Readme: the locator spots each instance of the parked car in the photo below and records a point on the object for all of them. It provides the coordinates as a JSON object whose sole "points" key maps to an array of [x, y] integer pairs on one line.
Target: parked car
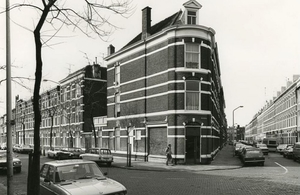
{"points": [[243, 147], [99, 155], [69, 153], [296, 151], [70, 177], [280, 148], [3, 146], [252, 155], [263, 148], [25, 149], [288, 152], [17, 164], [52, 153], [237, 148], [16, 147]]}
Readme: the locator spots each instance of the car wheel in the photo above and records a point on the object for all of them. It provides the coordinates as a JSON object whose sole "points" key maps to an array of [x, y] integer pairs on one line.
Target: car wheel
{"points": [[109, 164]]}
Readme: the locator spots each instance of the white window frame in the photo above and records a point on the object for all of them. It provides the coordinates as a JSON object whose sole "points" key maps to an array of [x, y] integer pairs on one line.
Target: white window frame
{"points": [[198, 52], [187, 91], [117, 75], [117, 104]]}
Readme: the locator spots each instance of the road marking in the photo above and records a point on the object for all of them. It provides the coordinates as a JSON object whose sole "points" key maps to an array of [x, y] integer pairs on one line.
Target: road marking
{"points": [[286, 170]]}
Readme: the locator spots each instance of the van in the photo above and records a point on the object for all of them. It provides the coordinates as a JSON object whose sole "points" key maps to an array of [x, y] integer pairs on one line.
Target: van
{"points": [[296, 151]]}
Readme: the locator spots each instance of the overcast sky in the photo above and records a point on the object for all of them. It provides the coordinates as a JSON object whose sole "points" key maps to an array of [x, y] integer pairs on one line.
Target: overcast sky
{"points": [[258, 42]]}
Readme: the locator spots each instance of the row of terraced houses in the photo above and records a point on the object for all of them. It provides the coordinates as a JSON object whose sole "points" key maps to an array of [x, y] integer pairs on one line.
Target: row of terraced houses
{"points": [[280, 117], [163, 87]]}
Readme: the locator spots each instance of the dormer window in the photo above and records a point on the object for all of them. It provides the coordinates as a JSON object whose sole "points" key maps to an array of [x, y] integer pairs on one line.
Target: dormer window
{"points": [[191, 12], [191, 17]]}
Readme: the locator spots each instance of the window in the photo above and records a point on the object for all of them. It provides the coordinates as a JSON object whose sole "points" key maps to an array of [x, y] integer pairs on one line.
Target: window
{"points": [[117, 105], [117, 75], [192, 95], [191, 17], [192, 55]]}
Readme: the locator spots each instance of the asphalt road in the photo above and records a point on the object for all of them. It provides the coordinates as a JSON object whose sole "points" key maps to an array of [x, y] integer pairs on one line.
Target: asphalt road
{"points": [[278, 176]]}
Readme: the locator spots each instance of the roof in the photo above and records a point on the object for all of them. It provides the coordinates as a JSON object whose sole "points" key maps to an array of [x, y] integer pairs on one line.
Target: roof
{"points": [[58, 163], [167, 22]]}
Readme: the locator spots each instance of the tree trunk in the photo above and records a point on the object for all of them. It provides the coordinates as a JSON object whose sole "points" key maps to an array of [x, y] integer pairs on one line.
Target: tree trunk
{"points": [[23, 126], [51, 132], [33, 187], [94, 130]]}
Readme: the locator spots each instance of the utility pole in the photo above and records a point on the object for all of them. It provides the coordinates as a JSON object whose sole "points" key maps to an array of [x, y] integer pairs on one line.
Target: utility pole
{"points": [[9, 158]]}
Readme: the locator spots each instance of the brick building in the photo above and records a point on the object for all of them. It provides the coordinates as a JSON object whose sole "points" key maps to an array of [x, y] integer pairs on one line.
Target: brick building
{"points": [[67, 109], [164, 87]]}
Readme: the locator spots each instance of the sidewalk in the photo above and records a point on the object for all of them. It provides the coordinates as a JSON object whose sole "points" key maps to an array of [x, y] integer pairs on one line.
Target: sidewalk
{"points": [[223, 160]]}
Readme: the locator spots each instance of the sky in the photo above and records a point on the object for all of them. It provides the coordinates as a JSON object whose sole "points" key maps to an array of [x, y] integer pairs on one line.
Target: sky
{"points": [[258, 44]]}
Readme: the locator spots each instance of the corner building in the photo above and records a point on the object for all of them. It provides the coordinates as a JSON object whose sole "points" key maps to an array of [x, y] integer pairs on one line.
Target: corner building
{"points": [[164, 87]]}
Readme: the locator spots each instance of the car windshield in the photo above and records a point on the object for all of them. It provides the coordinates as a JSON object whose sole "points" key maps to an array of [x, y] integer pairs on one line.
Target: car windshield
{"points": [[78, 171]]}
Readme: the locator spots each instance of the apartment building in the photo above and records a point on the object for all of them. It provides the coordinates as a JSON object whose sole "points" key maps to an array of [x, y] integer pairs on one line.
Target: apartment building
{"points": [[67, 110], [164, 87], [279, 117]]}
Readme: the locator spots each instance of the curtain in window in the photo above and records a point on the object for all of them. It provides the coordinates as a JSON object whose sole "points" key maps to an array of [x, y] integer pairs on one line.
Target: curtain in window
{"points": [[192, 56], [192, 101], [192, 95]]}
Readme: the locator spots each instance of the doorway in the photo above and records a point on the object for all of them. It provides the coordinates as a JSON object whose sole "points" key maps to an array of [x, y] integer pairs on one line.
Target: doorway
{"points": [[192, 146]]}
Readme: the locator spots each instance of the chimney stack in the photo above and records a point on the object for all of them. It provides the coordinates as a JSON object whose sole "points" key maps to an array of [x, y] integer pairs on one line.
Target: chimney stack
{"points": [[146, 22], [110, 49]]}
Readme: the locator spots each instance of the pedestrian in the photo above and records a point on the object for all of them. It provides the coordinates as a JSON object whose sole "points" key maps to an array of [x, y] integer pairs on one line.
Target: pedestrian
{"points": [[169, 155]]}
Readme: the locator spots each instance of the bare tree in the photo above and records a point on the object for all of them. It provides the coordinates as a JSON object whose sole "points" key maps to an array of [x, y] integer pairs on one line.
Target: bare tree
{"points": [[95, 102], [89, 20]]}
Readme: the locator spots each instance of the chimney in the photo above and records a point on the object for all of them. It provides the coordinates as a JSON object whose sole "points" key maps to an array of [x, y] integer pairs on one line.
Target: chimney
{"points": [[110, 49], [146, 22], [295, 77]]}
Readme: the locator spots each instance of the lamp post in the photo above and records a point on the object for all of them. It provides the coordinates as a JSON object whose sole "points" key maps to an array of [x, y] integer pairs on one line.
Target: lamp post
{"points": [[233, 116]]}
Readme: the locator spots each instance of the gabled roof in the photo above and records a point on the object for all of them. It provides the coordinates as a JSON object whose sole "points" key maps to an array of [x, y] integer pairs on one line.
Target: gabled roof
{"points": [[192, 4], [171, 20]]}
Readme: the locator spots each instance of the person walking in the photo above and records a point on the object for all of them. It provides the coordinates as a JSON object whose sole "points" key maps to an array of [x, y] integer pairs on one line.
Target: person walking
{"points": [[169, 155]]}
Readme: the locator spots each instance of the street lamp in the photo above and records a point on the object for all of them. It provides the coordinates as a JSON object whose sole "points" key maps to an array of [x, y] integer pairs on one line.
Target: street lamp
{"points": [[233, 114]]}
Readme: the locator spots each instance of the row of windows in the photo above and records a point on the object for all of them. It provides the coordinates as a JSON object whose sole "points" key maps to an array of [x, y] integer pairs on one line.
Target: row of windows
{"points": [[192, 97], [192, 60]]}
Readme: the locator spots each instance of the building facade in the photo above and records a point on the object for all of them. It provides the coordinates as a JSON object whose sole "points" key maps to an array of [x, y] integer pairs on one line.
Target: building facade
{"points": [[164, 87], [67, 110], [279, 117]]}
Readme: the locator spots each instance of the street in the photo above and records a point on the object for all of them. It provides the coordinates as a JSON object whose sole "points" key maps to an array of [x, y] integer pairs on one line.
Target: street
{"points": [[278, 176]]}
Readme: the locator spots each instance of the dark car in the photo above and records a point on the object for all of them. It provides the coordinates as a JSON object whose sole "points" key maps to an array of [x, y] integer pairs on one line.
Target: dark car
{"points": [[252, 155], [69, 153]]}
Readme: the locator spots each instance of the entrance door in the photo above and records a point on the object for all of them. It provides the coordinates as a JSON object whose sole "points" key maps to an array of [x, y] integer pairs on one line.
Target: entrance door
{"points": [[192, 149], [192, 145]]}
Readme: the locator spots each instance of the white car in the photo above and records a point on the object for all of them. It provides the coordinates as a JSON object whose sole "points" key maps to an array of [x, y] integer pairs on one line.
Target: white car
{"points": [[52, 153], [76, 177], [98, 155]]}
